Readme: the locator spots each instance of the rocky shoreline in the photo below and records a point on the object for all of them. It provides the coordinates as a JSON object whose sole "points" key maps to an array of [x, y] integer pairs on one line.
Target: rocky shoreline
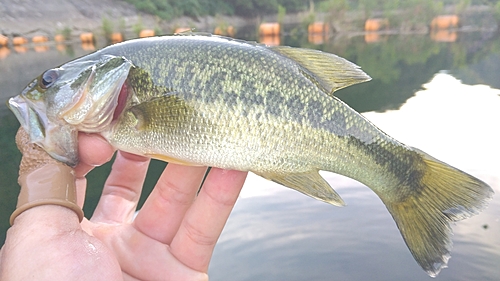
{"points": [[48, 18], [32, 17]]}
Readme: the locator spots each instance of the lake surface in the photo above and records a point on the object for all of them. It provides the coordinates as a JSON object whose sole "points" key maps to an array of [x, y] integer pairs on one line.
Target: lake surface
{"points": [[442, 97]]}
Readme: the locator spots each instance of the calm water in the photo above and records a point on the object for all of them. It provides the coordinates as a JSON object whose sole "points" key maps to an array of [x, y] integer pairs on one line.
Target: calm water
{"points": [[442, 97]]}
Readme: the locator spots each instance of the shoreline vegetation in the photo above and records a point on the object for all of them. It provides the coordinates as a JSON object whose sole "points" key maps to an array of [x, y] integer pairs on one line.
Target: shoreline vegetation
{"points": [[323, 18]]}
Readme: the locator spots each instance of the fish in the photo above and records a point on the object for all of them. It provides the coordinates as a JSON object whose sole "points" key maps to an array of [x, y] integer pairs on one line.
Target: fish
{"points": [[200, 99]]}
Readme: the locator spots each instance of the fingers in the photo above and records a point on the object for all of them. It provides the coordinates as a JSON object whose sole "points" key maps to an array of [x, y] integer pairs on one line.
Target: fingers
{"points": [[195, 240], [163, 211], [122, 189], [93, 151]]}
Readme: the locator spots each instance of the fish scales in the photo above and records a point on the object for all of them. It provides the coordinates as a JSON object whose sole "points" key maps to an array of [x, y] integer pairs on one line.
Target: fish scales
{"points": [[207, 100], [279, 94]]}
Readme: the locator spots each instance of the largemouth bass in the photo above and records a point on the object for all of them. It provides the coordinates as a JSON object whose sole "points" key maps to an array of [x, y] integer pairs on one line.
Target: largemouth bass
{"points": [[206, 100]]}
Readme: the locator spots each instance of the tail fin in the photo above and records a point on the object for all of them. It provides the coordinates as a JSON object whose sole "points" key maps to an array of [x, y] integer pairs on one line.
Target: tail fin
{"points": [[442, 195]]}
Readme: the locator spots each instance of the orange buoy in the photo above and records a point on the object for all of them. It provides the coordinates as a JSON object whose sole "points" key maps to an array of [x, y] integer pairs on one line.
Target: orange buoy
{"points": [[18, 40], [317, 32], [87, 37], [4, 52], [182, 29], [372, 37], [444, 35], [39, 39], [20, 49], [41, 48], [146, 33], [219, 31], [376, 24], [316, 38], [270, 40], [318, 27], [4, 40], [116, 37], [88, 46], [61, 47], [269, 29], [445, 22], [59, 38], [231, 31], [225, 31]]}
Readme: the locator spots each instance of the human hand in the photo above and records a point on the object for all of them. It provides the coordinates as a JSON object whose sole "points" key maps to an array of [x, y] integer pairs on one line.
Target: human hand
{"points": [[172, 237]]}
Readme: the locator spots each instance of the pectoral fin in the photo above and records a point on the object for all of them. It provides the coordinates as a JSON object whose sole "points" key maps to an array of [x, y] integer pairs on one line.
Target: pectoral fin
{"points": [[310, 183]]}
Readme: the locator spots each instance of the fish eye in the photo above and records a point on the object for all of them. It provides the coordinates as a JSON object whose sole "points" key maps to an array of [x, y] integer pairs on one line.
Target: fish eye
{"points": [[48, 78]]}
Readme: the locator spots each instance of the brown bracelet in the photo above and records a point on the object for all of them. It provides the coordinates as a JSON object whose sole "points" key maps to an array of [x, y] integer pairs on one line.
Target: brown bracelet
{"points": [[43, 180]]}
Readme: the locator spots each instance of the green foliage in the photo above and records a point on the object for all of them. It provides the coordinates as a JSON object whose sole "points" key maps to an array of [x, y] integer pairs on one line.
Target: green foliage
{"points": [[66, 33], [333, 5], [310, 18], [255, 7], [137, 27], [497, 11], [415, 8], [294, 5], [406, 14], [107, 28], [281, 14], [462, 5], [158, 30], [11, 157], [167, 9]]}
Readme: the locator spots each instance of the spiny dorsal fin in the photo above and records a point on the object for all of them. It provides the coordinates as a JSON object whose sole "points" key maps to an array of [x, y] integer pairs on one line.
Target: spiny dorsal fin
{"points": [[310, 183], [332, 72]]}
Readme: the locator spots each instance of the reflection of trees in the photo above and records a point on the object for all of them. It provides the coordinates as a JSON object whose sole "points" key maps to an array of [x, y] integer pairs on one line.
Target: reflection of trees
{"points": [[10, 156], [386, 61], [480, 59], [399, 66]]}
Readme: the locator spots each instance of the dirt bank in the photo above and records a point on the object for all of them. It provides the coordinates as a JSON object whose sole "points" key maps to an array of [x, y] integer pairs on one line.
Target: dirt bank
{"points": [[28, 17]]}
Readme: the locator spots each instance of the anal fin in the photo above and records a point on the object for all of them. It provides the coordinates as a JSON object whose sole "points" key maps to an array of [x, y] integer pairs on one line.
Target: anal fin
{"points": [[310, 183]]}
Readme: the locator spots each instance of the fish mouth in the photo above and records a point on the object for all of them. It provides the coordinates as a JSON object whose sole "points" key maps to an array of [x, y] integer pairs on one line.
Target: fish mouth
{"points": [[84, 98], [59, 141], [32, 120]]}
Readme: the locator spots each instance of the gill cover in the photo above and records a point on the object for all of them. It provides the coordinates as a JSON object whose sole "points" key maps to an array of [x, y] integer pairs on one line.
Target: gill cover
{"points": [[80, 95]]}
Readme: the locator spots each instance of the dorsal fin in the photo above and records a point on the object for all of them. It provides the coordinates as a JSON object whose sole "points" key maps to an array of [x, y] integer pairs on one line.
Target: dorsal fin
{"points": [[331, 71]]}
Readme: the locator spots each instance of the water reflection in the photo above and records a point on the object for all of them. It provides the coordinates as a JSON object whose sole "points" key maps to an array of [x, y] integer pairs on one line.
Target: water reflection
{"points": [[275, 234], [279, 234]]}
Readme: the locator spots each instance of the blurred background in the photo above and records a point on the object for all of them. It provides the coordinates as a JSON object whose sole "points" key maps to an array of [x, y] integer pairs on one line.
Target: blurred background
{"points": [[436, 86]]}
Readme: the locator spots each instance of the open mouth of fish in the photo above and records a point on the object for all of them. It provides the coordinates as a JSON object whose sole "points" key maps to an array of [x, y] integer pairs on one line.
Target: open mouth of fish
{"points": [[97, 98]]}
